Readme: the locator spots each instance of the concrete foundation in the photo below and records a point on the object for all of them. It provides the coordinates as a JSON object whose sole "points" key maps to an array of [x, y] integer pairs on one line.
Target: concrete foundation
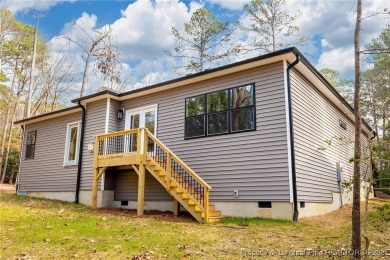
{"points": [[149, 205], [278, 210]]}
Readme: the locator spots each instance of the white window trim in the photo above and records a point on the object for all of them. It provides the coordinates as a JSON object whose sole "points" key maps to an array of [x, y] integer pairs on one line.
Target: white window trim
{"points": [[66, 153], [142, 110]]}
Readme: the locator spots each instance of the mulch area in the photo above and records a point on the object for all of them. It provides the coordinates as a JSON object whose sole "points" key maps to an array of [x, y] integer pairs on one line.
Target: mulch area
{"points": [[154, 214]]}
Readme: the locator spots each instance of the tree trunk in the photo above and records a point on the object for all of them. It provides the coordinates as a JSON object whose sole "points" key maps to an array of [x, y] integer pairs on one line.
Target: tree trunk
{"points": [[356, 239], [384, 125], [5, 127], [8, 149], [10, 181], [368, 191], [85, 75]]}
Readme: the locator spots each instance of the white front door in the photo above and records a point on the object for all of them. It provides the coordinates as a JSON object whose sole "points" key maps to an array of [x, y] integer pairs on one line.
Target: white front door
{"points": [[141, 117]]}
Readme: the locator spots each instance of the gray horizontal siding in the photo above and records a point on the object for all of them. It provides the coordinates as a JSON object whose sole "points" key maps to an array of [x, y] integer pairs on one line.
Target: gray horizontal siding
{"points": [[255, 163], [94, 125], [46, 171], [315, 120], [112, 120], [126, 187]]}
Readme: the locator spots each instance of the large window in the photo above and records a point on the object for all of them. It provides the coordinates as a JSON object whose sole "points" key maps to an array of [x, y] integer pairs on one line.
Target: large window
{"points": [[225, 111], [30, 144], [72, 144]]}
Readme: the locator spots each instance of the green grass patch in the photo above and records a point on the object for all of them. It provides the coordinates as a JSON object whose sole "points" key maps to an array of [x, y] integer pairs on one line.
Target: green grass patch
{"points": [[254, 221], [32, 228]]}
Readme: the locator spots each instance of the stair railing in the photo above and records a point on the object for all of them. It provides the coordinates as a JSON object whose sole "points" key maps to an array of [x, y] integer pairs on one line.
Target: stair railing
{"points": [[195, 186]]}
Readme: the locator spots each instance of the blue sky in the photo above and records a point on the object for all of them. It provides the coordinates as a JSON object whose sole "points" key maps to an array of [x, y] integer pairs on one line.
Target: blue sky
{"points": [[142, 29]]}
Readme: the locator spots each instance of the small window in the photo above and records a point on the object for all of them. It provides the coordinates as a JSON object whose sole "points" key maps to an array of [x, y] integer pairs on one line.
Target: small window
{"points": [[72, 144], [343, 124], [302, 204], [30, 144]]}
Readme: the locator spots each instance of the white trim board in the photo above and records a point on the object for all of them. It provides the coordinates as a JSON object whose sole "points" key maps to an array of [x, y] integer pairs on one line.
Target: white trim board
{"points": [[289, 150], [66, 152]]}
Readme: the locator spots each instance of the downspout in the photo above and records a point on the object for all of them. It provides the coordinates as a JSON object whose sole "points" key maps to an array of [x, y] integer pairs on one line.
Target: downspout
{"points": [[80, 160], [291, 133]]}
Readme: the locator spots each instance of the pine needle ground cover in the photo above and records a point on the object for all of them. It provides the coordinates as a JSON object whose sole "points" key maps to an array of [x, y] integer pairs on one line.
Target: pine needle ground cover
{"points": [[32, 228]]}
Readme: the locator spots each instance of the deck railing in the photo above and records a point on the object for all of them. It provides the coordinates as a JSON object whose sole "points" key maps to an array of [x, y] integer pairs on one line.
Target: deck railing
{"points": [[176, 169], [142, 142], [118, 142]]}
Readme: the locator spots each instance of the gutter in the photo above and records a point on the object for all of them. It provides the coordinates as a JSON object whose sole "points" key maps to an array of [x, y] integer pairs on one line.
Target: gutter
{"points": [[80, 159], [291, 133]]}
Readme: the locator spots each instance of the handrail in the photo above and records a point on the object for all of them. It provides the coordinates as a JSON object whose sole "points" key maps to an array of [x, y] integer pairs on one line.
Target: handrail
{"points": [[178, 160], [130, 131]]}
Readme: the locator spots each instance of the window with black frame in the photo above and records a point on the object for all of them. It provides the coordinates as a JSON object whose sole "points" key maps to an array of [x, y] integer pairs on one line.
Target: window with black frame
{"points": [[242, 111], [220, 112], [30, 144], [195, 116]]}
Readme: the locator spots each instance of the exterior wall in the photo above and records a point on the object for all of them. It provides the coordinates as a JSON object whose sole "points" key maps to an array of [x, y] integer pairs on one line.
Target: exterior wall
{"points": [[46, 172], [126, 188], [94, 125], [316, 120], [255, 163]]}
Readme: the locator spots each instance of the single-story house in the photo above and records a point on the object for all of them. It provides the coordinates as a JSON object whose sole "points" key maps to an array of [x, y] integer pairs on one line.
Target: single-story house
{"points": [[245, 139]]}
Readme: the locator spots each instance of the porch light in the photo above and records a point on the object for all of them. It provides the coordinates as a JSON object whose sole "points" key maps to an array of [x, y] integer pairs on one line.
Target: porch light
{"points": [[119, 115]]}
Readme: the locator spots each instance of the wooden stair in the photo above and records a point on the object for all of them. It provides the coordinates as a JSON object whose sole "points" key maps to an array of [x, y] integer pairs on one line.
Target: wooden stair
{"points": [[181, 190], [117, 150]]}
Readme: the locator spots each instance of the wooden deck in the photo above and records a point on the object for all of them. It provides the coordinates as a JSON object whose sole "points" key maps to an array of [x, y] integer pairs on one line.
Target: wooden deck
{"points": [[141, 150]]}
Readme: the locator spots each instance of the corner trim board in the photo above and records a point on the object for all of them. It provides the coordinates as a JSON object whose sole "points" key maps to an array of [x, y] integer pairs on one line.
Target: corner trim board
{"points": [[289, 151]]}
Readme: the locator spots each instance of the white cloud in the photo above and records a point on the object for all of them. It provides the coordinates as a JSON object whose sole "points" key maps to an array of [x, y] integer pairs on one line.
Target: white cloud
{"points": [[334, 23], [16, 6], [341, 59], [144, 30], [325, 44], [230, 4], [142, 33]]}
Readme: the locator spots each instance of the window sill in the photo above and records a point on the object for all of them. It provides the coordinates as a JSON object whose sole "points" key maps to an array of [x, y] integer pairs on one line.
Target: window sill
{"points": [[69, 164]]}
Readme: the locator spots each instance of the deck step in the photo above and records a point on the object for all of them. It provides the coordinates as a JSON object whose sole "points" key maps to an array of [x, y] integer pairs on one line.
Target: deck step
{"points": [[214, 213], [184, 196], [214, 219], [179, 191], [191, 203]]}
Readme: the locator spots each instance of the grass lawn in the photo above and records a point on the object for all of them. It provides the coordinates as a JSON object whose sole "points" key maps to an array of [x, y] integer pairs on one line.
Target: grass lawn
{"points": [[33, 228]]}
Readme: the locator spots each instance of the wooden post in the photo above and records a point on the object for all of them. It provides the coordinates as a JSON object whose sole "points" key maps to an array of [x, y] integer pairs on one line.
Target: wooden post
{"points": [[141, 190], [95, 187], [95, 179], [145, 148], [206, 204], [139, 145], [176, 207]]}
